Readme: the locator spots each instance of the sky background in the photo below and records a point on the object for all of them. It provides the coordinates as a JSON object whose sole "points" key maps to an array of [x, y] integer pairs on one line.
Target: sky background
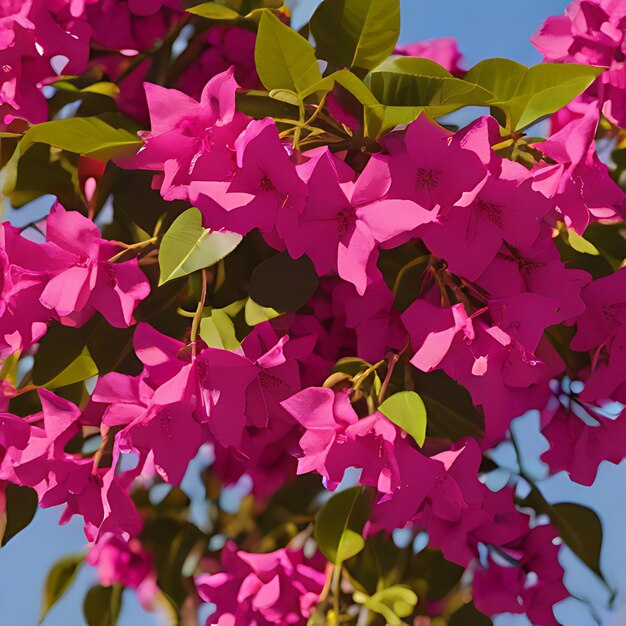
{"points": [[483, 28]]}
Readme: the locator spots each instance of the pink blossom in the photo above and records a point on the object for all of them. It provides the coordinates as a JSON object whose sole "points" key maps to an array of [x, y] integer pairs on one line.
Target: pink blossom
{"points": [[264, 181], [341, 224], [90, 281], [591, 32], [191, 140], [443, 50], [280, 588], [427, 165], [581, 437], [579, 183], [125, 563]]}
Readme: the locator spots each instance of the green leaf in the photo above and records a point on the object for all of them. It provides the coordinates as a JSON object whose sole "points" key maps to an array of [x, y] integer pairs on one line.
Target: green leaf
{"points": [[580, 244], [214, 11], [283, 283], [581, 530], [82, 368], [404, 87], [256, 314], [102, 605], [187, 246], [525, 95], [59, 578], [100, 89], [406, 410], [469, 614], [284, 59], [356, 33], [392, 603], [339, 524], [83, 135], [21, 506], [218, 331]]}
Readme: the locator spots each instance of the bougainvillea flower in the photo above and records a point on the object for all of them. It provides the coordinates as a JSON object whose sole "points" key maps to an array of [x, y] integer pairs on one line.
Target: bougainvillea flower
{"points": [[340, 225], [443, 50], [602, 328], [90, 280], [469, 238], [591, 32], [126, 563], [580, 438], [429, 167], [579, 183], [278, 588], [191, 140], [264, 181]]}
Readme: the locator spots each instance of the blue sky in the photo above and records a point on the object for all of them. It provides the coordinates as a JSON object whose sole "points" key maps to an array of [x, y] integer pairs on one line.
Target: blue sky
{"points": [[483, 28]]}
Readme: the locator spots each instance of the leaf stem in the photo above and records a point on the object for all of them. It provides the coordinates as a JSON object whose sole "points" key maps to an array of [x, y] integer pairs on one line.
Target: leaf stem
{"points": [[195, 325]]}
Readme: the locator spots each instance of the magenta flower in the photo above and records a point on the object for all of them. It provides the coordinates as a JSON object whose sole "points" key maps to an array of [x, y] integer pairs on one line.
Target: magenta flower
{"points": [[430, 167], [591, 32], [506, 209], [581, 437], [443, 50], [265, 181], [341, 225], [279, 588], [579, 183], [126, 563], [90, 281], [191, 140]]}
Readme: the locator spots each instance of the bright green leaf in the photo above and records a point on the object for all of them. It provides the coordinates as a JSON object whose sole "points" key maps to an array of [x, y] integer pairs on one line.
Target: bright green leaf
{"points": [[526, 95], [256, 314], [82, 368], [59, 578], [214, 11], [83, 135], [284, 59], [406, 409], [218, 331], [356, 33], [392, 603], [339, 524], [580, 244], [187, 246], [101, 89]]}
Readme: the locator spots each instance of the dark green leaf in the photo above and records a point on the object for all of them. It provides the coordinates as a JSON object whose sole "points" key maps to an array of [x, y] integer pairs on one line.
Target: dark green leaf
{"points": [[59, 578], [102, 605], [469, 615], [406, 410], [451, 414], [283, 283], [284, 59], [356, 33], [339, 524], [581, 530], [21, 506], [187, 246]]}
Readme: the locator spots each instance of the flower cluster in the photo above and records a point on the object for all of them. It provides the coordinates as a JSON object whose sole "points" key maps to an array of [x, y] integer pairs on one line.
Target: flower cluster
{"points": [[423, 262], [67, 279], [592, 32]]}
